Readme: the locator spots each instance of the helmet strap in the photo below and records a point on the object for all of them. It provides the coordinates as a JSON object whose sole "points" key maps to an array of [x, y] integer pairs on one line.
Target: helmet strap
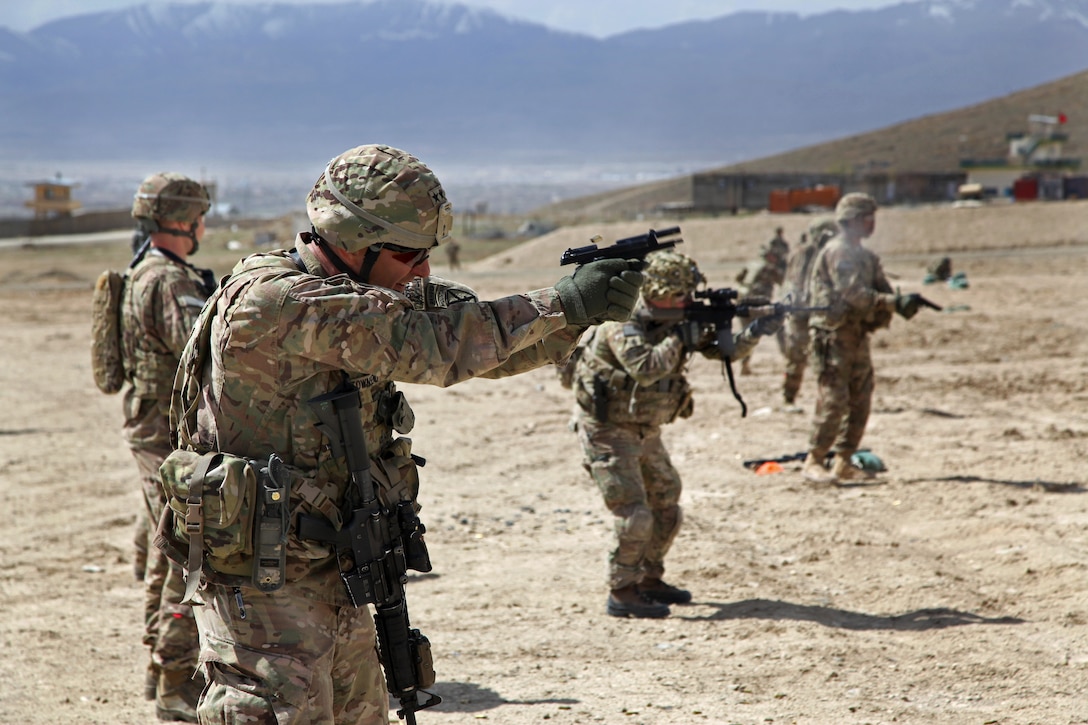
{"points": [[189, 234], [368, 260]]}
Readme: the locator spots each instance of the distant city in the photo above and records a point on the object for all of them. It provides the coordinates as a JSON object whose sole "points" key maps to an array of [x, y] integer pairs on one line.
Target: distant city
{"points": [[496, 190]]}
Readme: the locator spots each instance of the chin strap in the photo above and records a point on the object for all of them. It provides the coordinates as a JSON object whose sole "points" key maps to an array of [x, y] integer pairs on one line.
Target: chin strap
{"points": [[368, 261], [190, 234]]}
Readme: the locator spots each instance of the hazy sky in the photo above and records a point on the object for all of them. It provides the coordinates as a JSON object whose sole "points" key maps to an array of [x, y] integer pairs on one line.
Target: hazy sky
{"points": [[594, 17]]}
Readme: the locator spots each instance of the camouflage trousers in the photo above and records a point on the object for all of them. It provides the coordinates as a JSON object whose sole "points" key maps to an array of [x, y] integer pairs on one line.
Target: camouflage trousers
{"points": [[796, 352], [287, 660], [169, 626], [641, 488], [844, 373]]}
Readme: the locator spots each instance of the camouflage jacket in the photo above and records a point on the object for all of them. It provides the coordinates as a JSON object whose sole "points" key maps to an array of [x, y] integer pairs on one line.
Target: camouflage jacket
{"points": [[797, 269], [633, 372], [160, 304], [759, 278], [280, 336], [848, 278]]}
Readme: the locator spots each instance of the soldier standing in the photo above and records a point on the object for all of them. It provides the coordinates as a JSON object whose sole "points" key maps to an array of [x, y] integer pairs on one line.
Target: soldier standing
{"points": [[629, 381], [797, 269], [453, 254], [759, 279], [351, 303], [848, 278], [161, 301]]}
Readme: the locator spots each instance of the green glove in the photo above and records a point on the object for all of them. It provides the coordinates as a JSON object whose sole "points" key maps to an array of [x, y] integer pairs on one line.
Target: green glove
{"points": [[600, 291], [907, 305]]}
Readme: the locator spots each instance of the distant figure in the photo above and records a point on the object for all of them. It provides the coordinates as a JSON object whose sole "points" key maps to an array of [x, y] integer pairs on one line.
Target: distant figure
{"points": [[796, 286], [757, 281], [163, 295], [848, 279], [629, 382], [453, 254]]}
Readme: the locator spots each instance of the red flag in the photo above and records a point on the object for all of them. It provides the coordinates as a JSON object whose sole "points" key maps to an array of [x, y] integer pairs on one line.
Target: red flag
{"points": [[1062, 118]]}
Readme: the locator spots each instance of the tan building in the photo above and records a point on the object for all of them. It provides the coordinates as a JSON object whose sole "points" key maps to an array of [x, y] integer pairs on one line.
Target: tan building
{"points": [[53, 198]]}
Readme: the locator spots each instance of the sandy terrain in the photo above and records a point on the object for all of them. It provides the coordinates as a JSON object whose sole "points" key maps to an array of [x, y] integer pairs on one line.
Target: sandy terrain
{"points": [[954, 591]]}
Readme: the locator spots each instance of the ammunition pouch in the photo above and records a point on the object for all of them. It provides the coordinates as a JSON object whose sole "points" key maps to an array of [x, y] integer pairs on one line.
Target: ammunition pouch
{"points": [[226, 517]]}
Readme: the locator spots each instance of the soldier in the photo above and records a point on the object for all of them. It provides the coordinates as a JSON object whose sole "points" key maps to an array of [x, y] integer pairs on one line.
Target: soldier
{"points": [[629, 381], [352, 302], [759, 279], [453, 254], [847, 277], [797, 269], [162, 299]]}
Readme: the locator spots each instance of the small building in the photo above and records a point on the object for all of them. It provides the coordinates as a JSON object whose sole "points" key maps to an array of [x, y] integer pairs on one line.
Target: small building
{"points": [[1035, 166], [53, 198]]}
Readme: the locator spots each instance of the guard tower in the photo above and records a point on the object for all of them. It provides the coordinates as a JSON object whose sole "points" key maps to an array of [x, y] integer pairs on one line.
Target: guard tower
{"points": [[53, 198]]}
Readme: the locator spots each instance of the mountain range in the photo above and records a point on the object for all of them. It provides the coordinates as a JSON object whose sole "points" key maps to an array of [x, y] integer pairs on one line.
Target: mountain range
{"points": [[277, 82]]}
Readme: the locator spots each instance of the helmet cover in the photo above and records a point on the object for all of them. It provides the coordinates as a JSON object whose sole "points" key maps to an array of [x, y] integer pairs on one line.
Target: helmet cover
{"points": [[169, 196], [378, 195], [854, 205], [669, 273]]}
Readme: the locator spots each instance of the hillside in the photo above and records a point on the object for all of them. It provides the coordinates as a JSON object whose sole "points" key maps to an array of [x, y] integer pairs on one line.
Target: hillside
{"points": [[933, 143]]}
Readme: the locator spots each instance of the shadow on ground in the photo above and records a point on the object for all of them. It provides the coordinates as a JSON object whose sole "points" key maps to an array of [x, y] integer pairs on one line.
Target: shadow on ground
{"points": [[916, 621], [469, 697]]}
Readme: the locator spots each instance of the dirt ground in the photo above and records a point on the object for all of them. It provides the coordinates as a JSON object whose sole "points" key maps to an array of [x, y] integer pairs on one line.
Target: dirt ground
{"points": [[952, 591]]}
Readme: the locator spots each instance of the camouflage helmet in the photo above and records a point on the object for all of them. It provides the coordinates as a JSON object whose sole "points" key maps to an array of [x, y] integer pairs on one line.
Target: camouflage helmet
{"points": [[169, 196], [375, 196], [822, 229], [854, 205], [669, 273]]}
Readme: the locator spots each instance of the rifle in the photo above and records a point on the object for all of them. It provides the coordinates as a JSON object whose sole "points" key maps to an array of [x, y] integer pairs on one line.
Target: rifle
{"points": [[754, 463], [382, 544], [711, 312], [636, 247]]}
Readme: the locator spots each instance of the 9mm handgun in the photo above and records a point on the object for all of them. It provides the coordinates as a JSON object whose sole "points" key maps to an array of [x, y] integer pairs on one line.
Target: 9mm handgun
{"points": [[636, 247], [382, 543]]}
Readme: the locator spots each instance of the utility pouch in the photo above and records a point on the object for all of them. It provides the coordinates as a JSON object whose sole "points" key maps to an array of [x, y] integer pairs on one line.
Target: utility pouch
{"points": [[273, 519], [212, 497]]}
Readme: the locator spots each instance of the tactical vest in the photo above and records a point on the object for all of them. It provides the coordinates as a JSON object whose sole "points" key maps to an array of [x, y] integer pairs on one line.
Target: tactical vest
{"points": [[212, 522], [605, 390]]}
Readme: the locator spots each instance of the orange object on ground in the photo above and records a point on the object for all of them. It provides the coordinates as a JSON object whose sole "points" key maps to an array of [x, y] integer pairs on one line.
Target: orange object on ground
{"points": [[769, 467]]}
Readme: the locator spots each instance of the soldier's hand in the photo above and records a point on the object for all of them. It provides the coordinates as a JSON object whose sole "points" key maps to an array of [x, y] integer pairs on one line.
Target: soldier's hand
{"points": [[691, 334], [600, 291], [908, 305], [768, 325]]}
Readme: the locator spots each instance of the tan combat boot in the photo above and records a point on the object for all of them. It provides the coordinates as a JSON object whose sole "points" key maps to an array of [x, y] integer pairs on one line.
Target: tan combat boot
{"points": [[844, 470], [628, 601], [813, 471]]}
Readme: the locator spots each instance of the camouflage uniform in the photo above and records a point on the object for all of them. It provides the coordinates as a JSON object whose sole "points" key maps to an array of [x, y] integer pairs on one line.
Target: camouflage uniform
{"points": [[759, 279], [281, 335], [796, 329], [628, 382], [160, 304], [847, 277]]}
